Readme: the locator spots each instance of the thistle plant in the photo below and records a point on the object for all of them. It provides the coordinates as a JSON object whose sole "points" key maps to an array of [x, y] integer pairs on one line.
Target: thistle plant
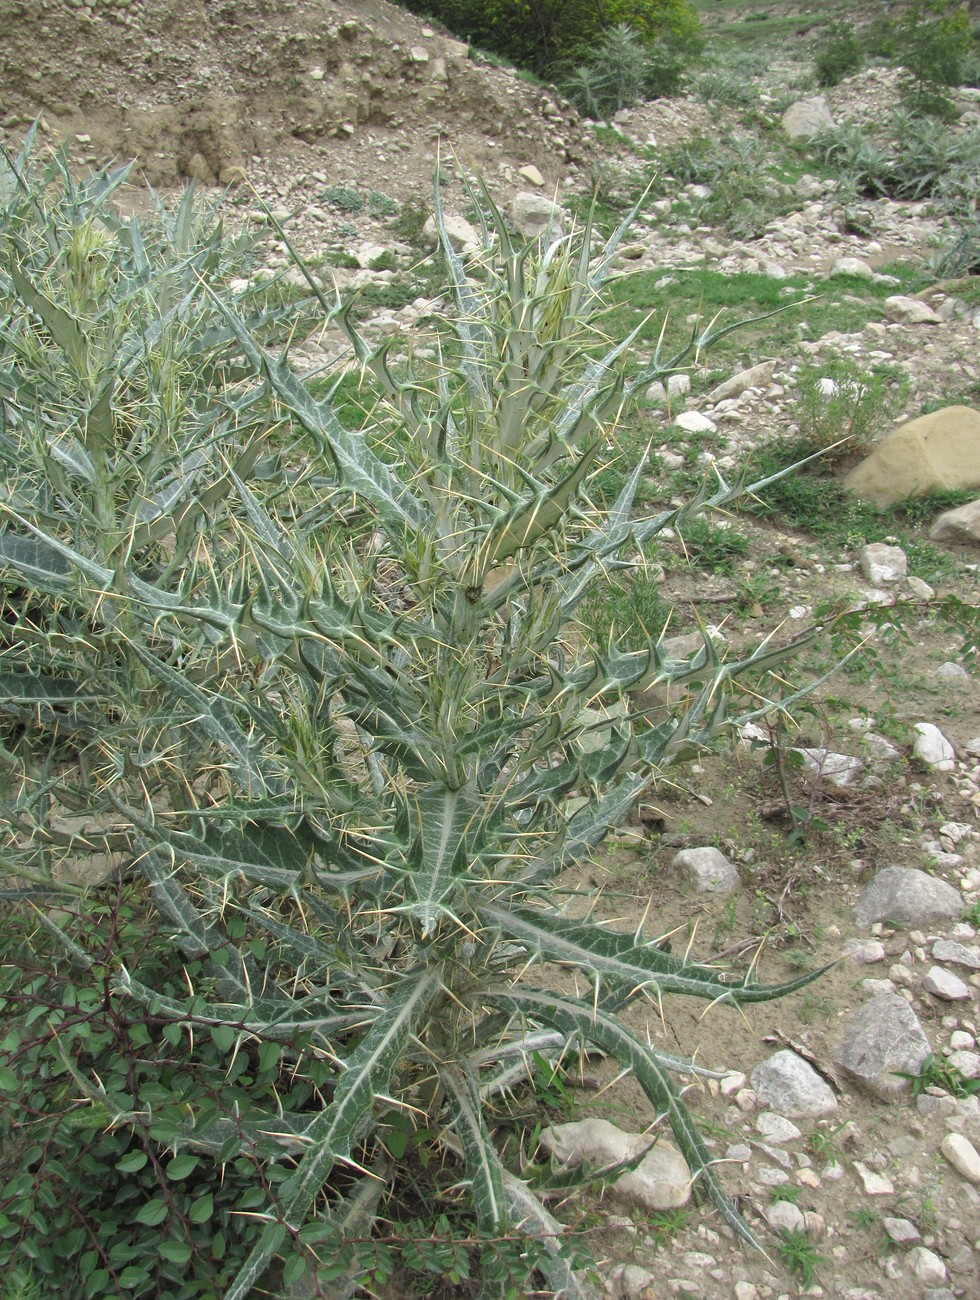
{"points": [[341, 717]]}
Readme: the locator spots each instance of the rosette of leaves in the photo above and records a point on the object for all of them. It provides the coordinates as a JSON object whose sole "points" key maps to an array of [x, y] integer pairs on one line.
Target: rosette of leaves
{"points": [[347, 726]]}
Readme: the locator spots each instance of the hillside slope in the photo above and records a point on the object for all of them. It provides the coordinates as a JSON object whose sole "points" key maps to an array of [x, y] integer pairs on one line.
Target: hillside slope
{"points": [[195, 88]]}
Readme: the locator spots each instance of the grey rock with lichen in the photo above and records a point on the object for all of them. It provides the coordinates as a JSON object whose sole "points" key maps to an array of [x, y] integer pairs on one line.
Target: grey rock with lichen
{"points": [[908, 896], [882, 1042]]}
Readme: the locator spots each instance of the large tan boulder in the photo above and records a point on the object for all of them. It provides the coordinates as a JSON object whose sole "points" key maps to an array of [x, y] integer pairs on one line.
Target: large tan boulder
{"points": [[935, 453]]}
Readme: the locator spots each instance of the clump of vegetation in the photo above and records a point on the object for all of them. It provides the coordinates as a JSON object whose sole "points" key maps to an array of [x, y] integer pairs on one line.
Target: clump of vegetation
{"points": [[622, 70], [839, 54], [343, 198], [917, 158], [932, 45], [547, 36], [308, 702], [841, 408]]}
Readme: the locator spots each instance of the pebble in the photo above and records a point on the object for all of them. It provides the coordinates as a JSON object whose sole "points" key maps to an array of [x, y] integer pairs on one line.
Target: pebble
{"points": [[901, 1231], [875, 1184], [926, 1265], [775, 1128], [784, 1216], [945, 985]]}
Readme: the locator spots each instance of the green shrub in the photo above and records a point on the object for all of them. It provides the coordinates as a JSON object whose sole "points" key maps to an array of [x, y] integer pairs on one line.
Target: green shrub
{"points": [[921, 158], [546, 35], [343, 198], [841, 403], [337, 728], [932, 45], [623, 70], [839, 54]]}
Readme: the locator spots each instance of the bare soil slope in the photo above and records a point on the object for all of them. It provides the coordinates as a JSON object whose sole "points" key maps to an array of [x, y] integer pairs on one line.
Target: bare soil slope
{"points": [[198, 88]]}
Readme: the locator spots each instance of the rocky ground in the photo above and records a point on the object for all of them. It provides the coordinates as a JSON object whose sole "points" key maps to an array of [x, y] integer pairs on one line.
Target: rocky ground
{"points": [[332, 122]]}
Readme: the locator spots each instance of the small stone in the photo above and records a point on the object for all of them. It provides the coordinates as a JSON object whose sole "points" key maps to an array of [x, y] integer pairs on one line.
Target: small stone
{"points": [[968, 1063], [957, 953], [875, 1184], [791, 1087], [901, 1231], [852, 266], [837, 769], [814, 1225], [694, 422], [531, 174], [784, 1216], [882, 1042], [943, 984], [910, 311], [932, 747], [661, 1181], [707, 870], [962, 1155], [952, 672], [775, 1128], [865, 951], [635, 1282], [926, 1265], [882, 563]]}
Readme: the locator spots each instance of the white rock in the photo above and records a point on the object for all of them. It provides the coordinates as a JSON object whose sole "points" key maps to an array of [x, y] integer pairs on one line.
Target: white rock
{"points": [[784, 1216], [866, 951], [463, 237], [956, 831], [838, 769], [962, 1155], [960, 954], [695, 422], [927, 1266], [875, 1184], [945, 985], [952, 672], [534, 216], [661, 1181], [910, 311], [907, 895], [807, 117], [968, 1063], [775, 1128], [852, 266], [707, 869], [792, 1087], [882, 563], [932, 747], [882, 1041], [901, 1231]]}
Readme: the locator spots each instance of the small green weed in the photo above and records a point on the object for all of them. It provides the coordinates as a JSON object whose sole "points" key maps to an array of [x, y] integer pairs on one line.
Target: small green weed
{"points": [[666, 1224], [864, 1219], [824, 1146], [972, 914], [381, 205], [712, 546], [342, 198], [799, 1254], [937, 1073], [790, 1192]]}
